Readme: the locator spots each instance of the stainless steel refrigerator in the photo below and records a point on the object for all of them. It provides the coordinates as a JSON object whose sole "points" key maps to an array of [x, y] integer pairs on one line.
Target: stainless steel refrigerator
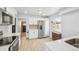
{"points": [[40, 29]]}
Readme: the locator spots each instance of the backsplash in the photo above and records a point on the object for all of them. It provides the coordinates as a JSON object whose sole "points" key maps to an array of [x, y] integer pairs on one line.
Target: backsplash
{"points": [[5, 29]]}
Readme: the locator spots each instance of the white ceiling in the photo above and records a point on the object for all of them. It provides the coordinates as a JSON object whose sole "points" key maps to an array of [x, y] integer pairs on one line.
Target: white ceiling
{"points": [[39, 11]]}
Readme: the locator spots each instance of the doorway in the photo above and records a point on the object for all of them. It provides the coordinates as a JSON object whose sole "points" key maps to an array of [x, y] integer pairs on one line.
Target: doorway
{"points": [[23, 29]]}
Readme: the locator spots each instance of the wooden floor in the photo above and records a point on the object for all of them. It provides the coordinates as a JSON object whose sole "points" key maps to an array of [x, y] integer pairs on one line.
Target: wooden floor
{"points": [[33, 44]]}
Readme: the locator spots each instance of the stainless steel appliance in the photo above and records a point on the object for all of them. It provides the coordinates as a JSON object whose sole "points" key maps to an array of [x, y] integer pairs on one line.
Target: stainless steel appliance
{"points": [[6, 40], [40, 29], [13, 43], [1, 33], [13, 28], [6, 18]]}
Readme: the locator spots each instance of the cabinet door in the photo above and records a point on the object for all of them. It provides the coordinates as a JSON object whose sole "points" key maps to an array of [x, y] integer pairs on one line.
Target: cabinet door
{"points": [[33, 34], [36, 34], [35, 22], [31, 22]]}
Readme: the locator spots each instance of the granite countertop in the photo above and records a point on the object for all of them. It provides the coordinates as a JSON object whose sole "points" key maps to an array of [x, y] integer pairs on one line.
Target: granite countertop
{"points": [[61, 45]]}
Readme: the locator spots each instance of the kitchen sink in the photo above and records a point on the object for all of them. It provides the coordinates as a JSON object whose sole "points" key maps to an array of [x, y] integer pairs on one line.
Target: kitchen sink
{"points": [[74, 42]]}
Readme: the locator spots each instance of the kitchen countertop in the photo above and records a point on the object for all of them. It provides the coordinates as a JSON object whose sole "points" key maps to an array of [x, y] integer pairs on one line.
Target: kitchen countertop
{"points": [[5, 47], [61, 45], [10, 34]]}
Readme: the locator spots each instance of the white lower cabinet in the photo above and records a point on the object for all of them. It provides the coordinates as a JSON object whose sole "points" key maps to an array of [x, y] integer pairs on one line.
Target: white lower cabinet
{"points": [[33, 34]]}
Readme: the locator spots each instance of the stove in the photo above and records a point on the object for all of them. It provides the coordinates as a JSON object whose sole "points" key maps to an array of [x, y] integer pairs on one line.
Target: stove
{"points": [[6, 41]]}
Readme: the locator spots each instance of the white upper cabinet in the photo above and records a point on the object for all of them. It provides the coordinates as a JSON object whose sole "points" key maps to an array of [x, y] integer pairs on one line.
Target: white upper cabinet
{"points": [[35, 22], [32, 21]]}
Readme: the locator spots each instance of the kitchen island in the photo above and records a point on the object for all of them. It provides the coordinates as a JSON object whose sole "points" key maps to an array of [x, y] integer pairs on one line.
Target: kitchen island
{"points": [[61, 45]]}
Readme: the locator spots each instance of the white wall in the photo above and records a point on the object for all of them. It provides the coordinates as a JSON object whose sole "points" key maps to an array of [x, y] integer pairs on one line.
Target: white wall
{"points": [[70, 24]]}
